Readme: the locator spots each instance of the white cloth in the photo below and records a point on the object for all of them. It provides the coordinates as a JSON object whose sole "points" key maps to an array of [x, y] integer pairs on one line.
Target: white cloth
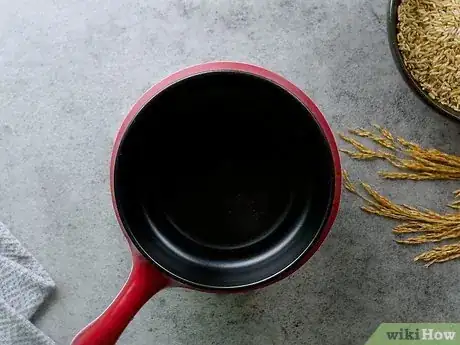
{"points": [[24, 286]]}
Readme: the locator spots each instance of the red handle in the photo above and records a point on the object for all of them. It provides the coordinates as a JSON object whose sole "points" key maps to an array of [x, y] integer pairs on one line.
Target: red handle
{"points": [[144, 281]]}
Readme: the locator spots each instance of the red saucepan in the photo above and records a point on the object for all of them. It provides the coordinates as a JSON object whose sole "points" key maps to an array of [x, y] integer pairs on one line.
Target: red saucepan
{"points": [[225, 177]]}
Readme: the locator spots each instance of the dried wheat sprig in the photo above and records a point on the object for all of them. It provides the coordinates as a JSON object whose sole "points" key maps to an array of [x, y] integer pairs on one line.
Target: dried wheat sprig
{"points": [[431, 237], [386, 133], [423, 164], [427, 225], [435, 156], [419, 227], [362, 152], [440, 254], [347, 183], [390, 175], [381, 140], [420, 164]]}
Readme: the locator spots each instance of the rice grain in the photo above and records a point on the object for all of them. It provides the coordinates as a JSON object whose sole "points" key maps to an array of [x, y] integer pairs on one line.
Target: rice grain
{"points": [[429, 40]]}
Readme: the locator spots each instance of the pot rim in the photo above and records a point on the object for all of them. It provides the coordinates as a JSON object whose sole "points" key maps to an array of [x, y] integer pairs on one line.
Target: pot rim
{"points": [[228, 66]]}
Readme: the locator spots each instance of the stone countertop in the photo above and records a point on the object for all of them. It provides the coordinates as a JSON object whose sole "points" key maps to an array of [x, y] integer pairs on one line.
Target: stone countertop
{"points": [[70, 71]]}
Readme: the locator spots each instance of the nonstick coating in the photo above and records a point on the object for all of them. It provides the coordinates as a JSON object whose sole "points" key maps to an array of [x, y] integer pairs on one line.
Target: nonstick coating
{"points": [[223, 180]]}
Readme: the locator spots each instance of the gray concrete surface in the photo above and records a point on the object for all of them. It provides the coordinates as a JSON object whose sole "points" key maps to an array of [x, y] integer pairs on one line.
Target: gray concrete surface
{"points": [[70, 71]]}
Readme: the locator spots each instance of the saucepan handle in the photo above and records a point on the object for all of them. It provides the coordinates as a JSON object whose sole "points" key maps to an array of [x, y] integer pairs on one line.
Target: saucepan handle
{"points": [[144, 281]]}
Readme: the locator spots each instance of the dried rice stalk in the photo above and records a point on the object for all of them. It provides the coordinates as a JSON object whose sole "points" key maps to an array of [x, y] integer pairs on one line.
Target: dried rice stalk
{"points": [[418, 163], [418, 226], [424, 226], [440, 254], [429, 40]]}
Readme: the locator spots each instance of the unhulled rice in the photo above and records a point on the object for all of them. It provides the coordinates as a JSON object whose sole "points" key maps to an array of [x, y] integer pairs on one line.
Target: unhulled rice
{"points": [[429, 40]]}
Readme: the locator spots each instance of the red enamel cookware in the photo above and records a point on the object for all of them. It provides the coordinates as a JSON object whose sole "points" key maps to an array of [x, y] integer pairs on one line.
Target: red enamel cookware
{"points": [[225, 177]]}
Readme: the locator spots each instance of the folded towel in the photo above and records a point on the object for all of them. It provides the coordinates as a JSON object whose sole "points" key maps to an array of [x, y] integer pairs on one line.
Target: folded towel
{"points": [[24, 286]]}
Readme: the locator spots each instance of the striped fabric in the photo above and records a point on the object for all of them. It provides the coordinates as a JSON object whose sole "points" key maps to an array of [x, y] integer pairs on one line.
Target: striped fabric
{"points": [[24, 286]]}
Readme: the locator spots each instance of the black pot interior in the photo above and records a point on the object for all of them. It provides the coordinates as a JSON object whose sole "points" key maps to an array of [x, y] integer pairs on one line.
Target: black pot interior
{"points": [[224, 180]]}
